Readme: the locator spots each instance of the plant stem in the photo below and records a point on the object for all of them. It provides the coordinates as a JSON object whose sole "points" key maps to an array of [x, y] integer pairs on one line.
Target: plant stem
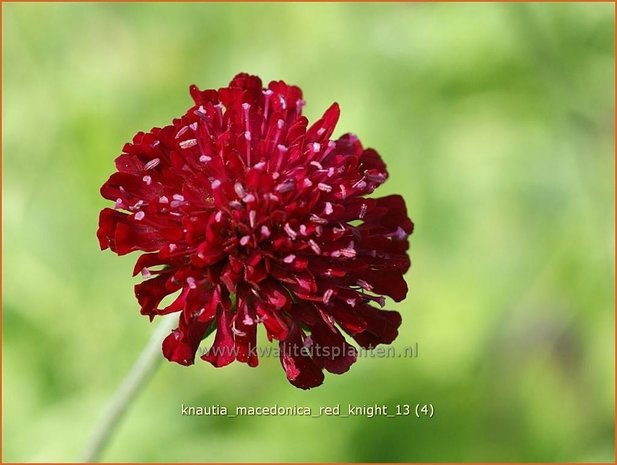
{"points": [[140, 373]]}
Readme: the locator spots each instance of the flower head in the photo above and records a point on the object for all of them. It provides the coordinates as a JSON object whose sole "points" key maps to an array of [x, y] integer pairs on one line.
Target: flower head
{"points": [[252, 216]]}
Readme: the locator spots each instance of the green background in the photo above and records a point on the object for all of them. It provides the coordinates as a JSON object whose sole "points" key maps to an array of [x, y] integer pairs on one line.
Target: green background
{"points": [[496, 121]]}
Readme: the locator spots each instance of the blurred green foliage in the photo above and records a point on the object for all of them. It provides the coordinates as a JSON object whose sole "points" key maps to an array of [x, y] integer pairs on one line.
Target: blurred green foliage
{"points": [[496, 121]]}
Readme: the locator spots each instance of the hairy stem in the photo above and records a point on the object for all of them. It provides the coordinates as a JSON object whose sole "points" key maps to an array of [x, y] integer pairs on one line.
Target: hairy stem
{"points": [[140, 373]]}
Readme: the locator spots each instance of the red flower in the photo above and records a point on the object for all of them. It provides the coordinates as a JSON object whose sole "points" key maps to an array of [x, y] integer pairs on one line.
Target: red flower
{"points": [[252, 216]]}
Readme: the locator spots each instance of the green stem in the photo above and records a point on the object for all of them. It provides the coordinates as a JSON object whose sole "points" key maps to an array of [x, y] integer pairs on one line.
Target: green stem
{"points": [[140, 373]]}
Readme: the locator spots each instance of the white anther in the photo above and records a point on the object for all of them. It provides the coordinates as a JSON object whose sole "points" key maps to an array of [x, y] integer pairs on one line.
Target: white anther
{"points": [[147, 180], [361, 184], [285, 186], [191, 282], [324, 187], [198, 313], [236, 331], [343, 190], [151, 164], [363, 209], [290, 232], [289, 258], [316, 219], [185, 144], [139, 216], [379, 177], [315, 247], [240, 192], [328, 208], [349, 252], [181, 132], [399, 234]]}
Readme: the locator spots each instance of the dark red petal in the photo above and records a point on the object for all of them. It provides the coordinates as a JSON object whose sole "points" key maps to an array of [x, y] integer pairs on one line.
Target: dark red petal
{"points": [[222, 351], [244, 328], [381, 326], [276, 327], [348, 319], [151, 292], [389, 213], [107, 225], [323, 128], [274, 294], [300, 368], [203, 97], [246, 81], [131, 189], [328, 347], [390, 283], [372, 162], [148, 260], [199, 312], [286, 99], [182, 344], [123, 234]]}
